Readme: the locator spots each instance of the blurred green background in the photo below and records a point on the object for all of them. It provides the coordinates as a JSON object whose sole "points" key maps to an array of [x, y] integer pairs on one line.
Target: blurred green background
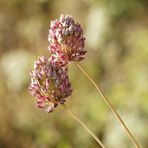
{"points": [[117, 43]]}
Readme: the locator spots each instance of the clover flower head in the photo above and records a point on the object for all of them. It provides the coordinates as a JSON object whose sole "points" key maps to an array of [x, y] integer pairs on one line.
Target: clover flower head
{"points": [[49, 84], [66, 39]]}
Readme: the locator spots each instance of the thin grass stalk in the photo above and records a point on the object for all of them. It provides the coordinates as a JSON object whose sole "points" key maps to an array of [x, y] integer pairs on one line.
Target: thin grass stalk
{"points": [[84, 126], [110, 106]]}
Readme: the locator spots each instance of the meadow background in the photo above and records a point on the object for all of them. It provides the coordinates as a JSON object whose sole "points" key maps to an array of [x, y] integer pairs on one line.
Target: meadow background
{"points": [[117, 43]]}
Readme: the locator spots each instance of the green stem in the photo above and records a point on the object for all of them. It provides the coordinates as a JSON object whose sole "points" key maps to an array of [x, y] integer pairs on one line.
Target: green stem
{"points": [[86, 128], [110, 106]]}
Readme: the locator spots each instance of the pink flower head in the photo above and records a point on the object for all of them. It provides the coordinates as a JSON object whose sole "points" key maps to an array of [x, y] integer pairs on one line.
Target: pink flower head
{"points": [[49, 84], [66, 39]]}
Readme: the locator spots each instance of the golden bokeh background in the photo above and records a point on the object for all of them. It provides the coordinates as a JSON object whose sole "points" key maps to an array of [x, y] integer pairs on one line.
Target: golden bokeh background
{"points": [[117, 43]]}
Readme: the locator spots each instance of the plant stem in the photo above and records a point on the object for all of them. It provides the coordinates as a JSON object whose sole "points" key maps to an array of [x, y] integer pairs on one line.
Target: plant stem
{"points": [[86, 128], [110, 106]]}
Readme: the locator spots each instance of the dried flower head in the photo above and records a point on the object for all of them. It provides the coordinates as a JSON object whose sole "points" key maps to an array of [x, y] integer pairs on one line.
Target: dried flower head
{"points": [[66, 39], [49, 84]]}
